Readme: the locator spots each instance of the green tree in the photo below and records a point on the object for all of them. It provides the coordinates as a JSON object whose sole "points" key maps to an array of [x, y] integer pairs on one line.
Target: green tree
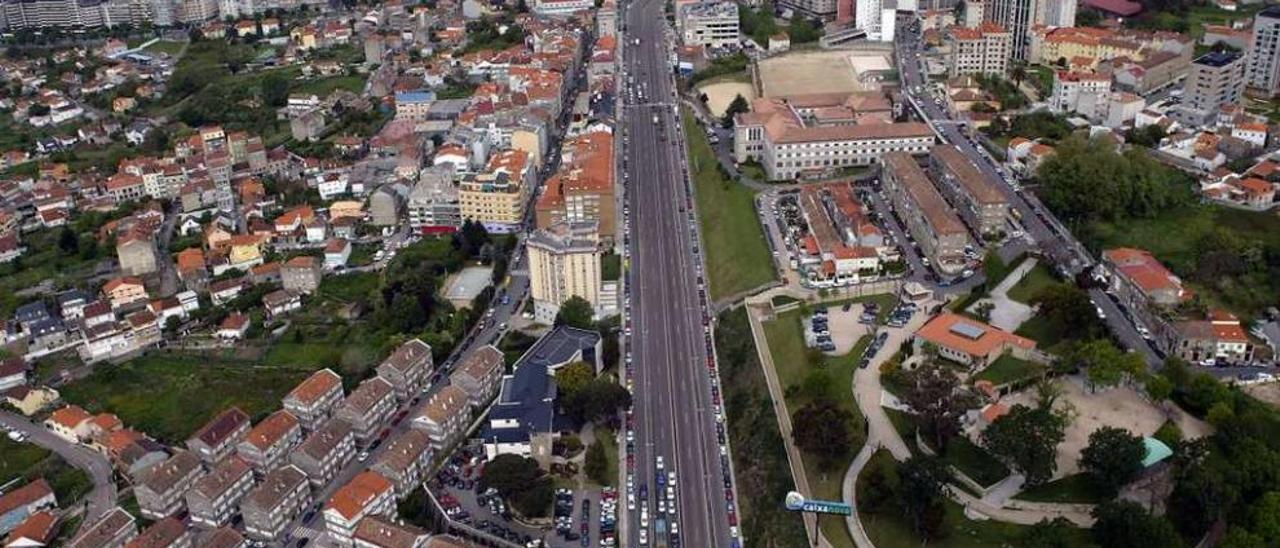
{"points": [[738, 106], [1113, 458], [920, 492], [939, 401], [877, 485], [68, 241], [598, 400], [822, 428], [1125, 524], [1264, 518], [520, 482], [1068, 310], [575, 312], [1027, 439], [1159, 388], [571, 378], [1238, 537], [1049, 534], [597, 463], [1107, 365]]}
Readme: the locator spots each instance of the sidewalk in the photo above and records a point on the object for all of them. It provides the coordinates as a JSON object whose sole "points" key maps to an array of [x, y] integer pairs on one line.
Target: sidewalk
{"points": [[784, 419]]}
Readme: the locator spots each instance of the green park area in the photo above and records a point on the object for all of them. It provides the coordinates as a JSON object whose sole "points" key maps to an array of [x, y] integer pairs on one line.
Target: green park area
{"points": [[1076, 488], [1007, 369], [737, 256], [815, 384]]}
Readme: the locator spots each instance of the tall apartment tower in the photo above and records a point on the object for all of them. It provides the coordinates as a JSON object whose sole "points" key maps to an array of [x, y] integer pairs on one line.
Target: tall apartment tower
{"points": [[1263, 70], [1216, 79], [1020, 16], [813, 9], [877, 18], [564, 262]]}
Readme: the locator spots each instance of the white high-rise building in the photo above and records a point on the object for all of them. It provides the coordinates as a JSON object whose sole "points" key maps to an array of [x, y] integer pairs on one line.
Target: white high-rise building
{"points": [[1019, 17], [1263, 70], [877, 18]]}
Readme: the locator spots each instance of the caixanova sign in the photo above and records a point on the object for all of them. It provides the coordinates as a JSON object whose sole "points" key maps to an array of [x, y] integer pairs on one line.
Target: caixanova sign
{"points": [[796, 502]]}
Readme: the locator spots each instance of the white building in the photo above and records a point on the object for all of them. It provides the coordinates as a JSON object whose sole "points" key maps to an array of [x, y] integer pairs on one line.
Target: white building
{"points": [[709, 24], [1079, 91]]}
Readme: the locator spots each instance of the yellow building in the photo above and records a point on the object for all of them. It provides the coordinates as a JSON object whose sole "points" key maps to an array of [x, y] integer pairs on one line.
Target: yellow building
{"points": [[346, 208], [246, 251], [498, 196], [564, 262]]}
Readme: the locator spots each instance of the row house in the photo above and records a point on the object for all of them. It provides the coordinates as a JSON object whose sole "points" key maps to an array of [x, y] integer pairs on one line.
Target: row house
{"points": [[445, 417], [218, 438], [326, 451], [407, 368], [160, 493], [381, 532], [113, 530], [268, 444], [367, 494], [283, 494], [480, 375], [405, 461], [215, 499], [167, 533], [222, 537], [368, 408], [313, 399]]}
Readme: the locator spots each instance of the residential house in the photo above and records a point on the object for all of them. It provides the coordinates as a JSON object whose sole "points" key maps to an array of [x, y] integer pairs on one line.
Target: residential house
{"points": [[407, 368], [480, 375], [113, 530], [215, 499], [381, 532], [1139, 276], [314, 398], [137, 254], [38, 530], [301, 274], [405, 461], [218, 438], [268, 444], [283, 494], [222, 537], [1219, 339], [124, 291], [281, 302], [234, 327], [336, 253], [13, 373], [326, 451], [367, 494], [162, 488], [368, 408], [21, 503], [68, 423]]}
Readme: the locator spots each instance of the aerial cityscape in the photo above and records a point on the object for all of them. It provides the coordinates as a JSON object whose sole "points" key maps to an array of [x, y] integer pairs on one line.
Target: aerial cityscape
{"points": [[605, 273]]}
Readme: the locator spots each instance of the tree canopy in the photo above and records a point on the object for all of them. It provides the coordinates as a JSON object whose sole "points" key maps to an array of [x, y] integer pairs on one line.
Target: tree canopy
{"points": [[521, 482], [822, 428], [1027, 438], [1089, 180], [934, 392], [575, 312], [1125, 524], [1113, 458]]}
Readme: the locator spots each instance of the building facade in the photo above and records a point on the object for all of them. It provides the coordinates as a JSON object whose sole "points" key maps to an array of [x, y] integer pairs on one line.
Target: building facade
{"points": [[564, 262], [941, 235]]}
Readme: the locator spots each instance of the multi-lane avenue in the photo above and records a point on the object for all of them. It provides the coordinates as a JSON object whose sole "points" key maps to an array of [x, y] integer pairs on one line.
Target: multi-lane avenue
{"points": [[673, 416]]}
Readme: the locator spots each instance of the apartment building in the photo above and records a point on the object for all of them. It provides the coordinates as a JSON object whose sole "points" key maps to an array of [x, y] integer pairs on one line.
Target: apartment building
{"points": [[444, 418], [368, 408], [941, 235], [214, 499], [314, 398], [405, 461], [708, 24], [583, 189], [36, 14], [161, 489], [113, 530], [380, 532], [1216, 80], [166, 533], [1085, 92], [433, 203], [973, 194], [812, 9], [497, 197], [1022, 17], [301, 274], [367, 494], [323, 454], [1263, 70], [979, 50], [480, 375], [407, 368], [564, 262], [222, 537], [268, 444], [218, 438], [283, 494], [818, 135]]}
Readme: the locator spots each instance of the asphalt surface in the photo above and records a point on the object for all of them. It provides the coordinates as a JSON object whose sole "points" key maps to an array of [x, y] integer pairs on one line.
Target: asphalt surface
{"points": [[673, 415], [103, 495]]}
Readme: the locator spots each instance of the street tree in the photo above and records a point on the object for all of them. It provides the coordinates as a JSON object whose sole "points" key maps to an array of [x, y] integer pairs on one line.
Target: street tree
{"points": [[597, 463], [1027, 438], [1113, 458], [575, 312], [521, 482]]}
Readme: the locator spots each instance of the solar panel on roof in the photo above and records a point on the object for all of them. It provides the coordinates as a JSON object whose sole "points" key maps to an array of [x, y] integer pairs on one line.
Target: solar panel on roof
{"points": [[968, 330]]}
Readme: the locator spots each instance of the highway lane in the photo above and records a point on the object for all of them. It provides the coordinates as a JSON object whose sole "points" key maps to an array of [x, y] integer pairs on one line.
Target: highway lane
{"points": [[674, 416]]}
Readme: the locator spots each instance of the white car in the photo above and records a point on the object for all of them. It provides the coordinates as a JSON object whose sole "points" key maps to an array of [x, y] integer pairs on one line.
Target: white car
{"points": [[631, 501], [644, 537]]}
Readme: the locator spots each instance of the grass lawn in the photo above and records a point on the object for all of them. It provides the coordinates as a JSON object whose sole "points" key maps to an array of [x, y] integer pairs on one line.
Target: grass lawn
{"points": [[1008, 369], [1038, 329], [889, 529], [904, 424], [1038, 278], [165, 46], [324, 86], [753, 170], [804, 380], [348, 287], [611, 267], [171, 395], [1075, 488], [737, 255], [783, 300], [16, 458], [974, 461], [1174, 237]]}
